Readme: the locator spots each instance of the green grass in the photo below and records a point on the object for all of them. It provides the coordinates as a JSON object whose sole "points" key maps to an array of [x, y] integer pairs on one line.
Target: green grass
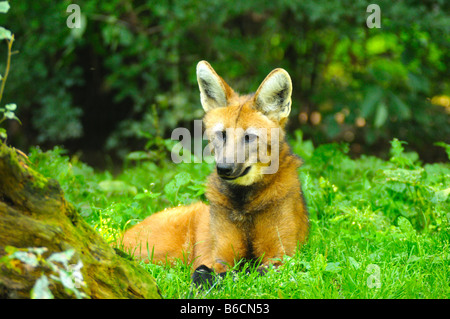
{"points": [[379, 228]]}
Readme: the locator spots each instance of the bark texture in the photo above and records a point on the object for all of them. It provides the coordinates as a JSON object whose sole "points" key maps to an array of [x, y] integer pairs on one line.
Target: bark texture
{"points": [[34, 213]]}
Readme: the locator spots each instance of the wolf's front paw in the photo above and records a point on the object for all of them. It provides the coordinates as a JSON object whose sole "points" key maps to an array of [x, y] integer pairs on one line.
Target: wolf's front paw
{"points": [[204, 276]]}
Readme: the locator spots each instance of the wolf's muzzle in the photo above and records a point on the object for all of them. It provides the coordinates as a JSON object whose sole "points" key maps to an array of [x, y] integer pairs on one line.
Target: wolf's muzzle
{"points": [[229, 171]]}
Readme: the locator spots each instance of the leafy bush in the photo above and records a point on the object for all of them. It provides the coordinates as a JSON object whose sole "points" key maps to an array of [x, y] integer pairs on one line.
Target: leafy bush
{"points": [[7, 112], [130, 68]]}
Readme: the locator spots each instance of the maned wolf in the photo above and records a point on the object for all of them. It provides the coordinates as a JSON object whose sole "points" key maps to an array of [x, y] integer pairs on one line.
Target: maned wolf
{"points": [[256, 207]]}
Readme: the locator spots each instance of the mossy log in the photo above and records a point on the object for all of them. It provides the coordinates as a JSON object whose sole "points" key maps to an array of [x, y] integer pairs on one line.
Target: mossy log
{"points": [[34, 213]]}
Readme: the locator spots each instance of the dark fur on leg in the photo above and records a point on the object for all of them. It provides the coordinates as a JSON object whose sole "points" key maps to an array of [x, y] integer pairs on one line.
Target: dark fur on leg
{"points": [[204, 277]]}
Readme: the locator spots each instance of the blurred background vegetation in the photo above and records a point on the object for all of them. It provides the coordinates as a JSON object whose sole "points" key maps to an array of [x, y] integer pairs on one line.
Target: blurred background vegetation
{"points": [[126, 78]]}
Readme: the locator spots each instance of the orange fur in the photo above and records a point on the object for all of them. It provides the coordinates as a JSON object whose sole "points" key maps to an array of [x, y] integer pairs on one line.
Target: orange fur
{"points": [[254, 216]]}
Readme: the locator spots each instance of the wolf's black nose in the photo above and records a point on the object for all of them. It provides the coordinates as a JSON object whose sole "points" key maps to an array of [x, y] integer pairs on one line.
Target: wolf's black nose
{"points": [[224, 169]]}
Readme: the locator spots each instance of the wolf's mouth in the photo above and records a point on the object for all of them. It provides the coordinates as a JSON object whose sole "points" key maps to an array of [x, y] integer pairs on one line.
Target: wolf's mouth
{"points": [[230, 178]]}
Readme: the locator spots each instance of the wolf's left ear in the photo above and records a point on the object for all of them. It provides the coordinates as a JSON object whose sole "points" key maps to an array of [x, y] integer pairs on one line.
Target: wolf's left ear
{"points": [[273, 97], [214, 91]]}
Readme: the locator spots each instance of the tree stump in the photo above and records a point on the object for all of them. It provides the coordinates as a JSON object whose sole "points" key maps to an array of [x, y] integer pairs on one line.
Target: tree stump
{"points": [[34, 213]]}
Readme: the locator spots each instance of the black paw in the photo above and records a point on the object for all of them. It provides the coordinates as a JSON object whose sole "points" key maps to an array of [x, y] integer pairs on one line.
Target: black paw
{"points": [[204, 277]]}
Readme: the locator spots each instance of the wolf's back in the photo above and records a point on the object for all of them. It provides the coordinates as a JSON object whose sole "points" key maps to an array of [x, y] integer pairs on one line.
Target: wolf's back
{"points": [[169, 234]]}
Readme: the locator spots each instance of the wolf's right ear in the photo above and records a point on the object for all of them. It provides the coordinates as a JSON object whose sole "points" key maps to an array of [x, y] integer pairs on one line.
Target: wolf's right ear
{"points": [[214, 91], [273, 97]]}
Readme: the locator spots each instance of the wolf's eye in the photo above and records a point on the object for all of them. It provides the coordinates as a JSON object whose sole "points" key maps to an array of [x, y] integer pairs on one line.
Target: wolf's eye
{"points": [[249, 137]]}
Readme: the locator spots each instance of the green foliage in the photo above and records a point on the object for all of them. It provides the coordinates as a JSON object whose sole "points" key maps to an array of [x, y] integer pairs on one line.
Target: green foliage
{"points": [[8, 111], [445, 146], [132, 64], [379, 228], [55, 269], [382, 191]]}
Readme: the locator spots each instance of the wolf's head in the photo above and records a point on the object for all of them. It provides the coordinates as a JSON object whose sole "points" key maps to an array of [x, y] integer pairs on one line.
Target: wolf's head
{"points": [[245, 131]]}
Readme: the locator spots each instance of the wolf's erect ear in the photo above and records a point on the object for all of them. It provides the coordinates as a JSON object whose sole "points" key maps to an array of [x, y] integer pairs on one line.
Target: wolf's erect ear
{"points": [[273, 97], [214, 91]]}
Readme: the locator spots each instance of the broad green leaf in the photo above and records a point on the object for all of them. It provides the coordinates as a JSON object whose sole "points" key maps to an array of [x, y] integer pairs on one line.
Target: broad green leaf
{"points": [[40, 289], [406, 227], [37, 250], [138, 155], [11, 106], [5, 34], [10, 115], [418, 82], [62, 257], [401, 109], [26, 257], [371, 99], [170, 189], [397, 187], [381, 115], [182, 179], [442, 195], [66, 279], [408, 176], [333, 267], [4, 6]]}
